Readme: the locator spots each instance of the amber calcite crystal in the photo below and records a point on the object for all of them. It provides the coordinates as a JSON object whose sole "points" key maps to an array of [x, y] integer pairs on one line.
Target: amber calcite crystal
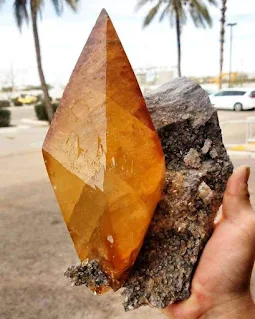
{"points": [[103, 155]]}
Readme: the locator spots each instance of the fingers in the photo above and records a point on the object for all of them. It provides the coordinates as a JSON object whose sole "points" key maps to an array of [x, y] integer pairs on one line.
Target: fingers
{"points": [[236, 198], [237, 208], [226, 263], [186, 309]]}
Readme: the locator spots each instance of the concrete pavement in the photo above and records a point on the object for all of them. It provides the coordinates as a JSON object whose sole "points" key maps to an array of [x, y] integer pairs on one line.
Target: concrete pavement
{"points": [[234, 133], [20, 112], [35, 245], [20, 139], [26, 134], [36, 249]]}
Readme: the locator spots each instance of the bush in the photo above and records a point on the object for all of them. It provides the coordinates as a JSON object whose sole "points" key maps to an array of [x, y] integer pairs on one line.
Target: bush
{"points": [[4, 103], [40, 111], [5, 118], [16, 102]]}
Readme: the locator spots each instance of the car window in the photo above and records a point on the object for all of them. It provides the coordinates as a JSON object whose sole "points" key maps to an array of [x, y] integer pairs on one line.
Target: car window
{"points": [[252, 94], [239, 93], [227, 93], [233, 93], [218, 94]]}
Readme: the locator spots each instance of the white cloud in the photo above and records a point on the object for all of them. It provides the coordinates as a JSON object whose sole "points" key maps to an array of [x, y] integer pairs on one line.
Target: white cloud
{"points": [[62, 40]]}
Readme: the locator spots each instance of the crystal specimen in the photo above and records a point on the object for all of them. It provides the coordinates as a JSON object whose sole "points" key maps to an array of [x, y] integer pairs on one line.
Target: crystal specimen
{"points": [[104, 157], [198, 168]]}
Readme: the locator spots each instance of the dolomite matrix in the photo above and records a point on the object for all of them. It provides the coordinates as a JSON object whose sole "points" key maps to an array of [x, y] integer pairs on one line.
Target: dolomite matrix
{"points": [[198, 168]]}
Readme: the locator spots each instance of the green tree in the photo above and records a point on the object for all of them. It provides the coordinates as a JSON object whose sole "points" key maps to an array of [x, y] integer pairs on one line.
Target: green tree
{"points": [[25, 9], [222, 38], [177, 11]]}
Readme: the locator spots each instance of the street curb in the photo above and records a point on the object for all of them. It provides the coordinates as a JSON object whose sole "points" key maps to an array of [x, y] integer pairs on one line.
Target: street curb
{"points": [[241, 147], [242, 154]]}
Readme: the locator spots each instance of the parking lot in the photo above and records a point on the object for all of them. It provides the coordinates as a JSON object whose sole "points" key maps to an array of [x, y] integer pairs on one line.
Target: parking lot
{"points": [[21, 136]]}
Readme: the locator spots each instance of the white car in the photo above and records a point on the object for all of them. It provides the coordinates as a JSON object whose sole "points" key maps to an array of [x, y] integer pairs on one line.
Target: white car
{"points": [[237, 99]]}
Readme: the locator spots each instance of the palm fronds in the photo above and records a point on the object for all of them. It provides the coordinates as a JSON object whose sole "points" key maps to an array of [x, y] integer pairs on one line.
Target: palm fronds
{"points": [[200, 14], [152, 13], [21, 8], [20, 12], [197, 10]]}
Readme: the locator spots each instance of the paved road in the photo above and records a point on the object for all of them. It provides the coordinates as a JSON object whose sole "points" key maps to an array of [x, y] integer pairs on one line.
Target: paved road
{"points": [[21, 138], [36, 249], [234, 133], [227, 115], [35, 246], [20, 112]]}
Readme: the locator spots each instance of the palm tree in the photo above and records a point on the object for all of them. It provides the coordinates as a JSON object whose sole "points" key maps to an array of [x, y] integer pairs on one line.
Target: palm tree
{"points": [[21, 9], [177, 11], [222, 40]]}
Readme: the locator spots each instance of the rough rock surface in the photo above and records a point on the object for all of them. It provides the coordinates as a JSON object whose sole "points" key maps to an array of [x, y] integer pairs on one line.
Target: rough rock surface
{"points": [[198, 168], [87, 273]]}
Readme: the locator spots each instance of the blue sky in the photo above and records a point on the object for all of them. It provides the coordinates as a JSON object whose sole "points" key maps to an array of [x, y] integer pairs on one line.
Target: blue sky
{"points": [[62, 40]]}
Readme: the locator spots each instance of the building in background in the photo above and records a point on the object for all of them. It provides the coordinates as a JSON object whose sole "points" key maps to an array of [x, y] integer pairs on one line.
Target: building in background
{"points": [[150, 78]]}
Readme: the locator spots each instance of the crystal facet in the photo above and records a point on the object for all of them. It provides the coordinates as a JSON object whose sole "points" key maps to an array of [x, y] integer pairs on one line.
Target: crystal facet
{"points": [[103, 155]]}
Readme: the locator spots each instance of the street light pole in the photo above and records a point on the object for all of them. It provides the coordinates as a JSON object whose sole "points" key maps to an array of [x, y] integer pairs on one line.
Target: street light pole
{"points": [[231, 25]]}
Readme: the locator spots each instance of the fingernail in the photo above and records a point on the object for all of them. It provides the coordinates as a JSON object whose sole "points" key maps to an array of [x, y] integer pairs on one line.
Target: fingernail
{"points": [[243, 173]]}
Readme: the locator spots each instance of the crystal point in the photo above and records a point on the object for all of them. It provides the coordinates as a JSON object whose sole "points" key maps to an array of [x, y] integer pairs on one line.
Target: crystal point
{"points": [[103, 155]]}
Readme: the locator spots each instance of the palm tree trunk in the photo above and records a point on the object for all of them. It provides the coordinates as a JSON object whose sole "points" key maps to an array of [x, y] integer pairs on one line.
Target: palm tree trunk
{"points": [[178, 34], [47, 101], [222, 34]]}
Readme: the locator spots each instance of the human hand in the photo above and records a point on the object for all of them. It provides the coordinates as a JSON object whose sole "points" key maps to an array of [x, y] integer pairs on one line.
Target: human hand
{"points": [[220, 287]]}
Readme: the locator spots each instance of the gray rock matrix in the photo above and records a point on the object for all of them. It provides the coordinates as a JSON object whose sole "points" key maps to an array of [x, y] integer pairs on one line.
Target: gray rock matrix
{"points": [[198, 168]]}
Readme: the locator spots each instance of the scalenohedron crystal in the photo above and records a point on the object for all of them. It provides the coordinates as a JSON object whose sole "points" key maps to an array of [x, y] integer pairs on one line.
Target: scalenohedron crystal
{"points": [[103, 155]]}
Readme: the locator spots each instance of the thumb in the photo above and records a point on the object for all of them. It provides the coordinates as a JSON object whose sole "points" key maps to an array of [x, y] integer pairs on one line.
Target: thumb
{"points": [[236, 200]]}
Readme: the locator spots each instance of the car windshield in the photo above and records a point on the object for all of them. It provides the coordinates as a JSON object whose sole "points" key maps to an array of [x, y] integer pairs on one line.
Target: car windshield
{"points": [[218, 94]]}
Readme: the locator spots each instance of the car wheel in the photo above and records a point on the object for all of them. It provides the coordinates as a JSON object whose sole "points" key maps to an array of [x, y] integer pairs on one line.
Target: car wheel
{"points": [[238, 107]]}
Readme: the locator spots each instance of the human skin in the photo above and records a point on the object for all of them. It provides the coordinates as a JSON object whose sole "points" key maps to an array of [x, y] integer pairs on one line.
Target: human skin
{"points": [[220, 287]]}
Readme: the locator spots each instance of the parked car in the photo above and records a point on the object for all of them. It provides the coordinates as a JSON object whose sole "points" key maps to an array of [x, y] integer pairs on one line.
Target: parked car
{"points": [[237, 99], [27, 99], [209, 92]]}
